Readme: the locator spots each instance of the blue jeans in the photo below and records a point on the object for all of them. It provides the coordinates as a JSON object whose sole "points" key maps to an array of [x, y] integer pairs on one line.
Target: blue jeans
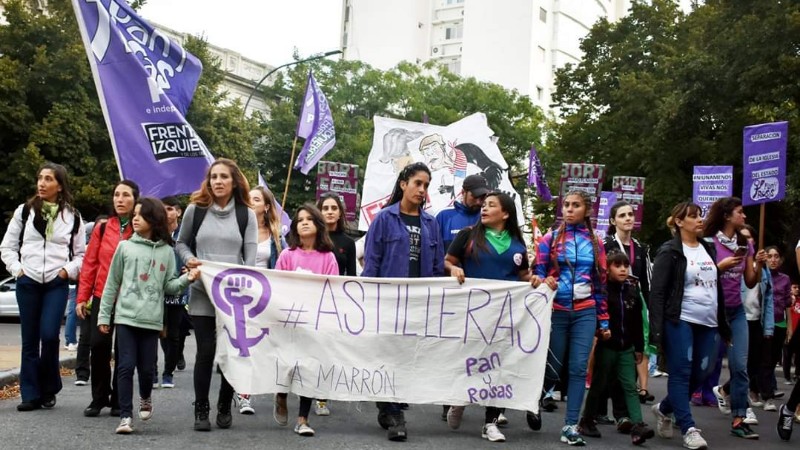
{"points": [[691, 352], [71, 325], [41, 307], [737, 361], [573, 330], [137, 350]]}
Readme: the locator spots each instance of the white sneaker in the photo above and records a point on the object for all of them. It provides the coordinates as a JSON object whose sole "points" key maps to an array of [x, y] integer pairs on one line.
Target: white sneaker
{"points": [[303, 429], [322, 409], [657, 373], [769, 405], [693, 440], [663, 422], [723, 400], [81, 382], [245, 407], [492, 433], [71, 347], [750, 417], [454, 416], [125, 426], [502, 420], [755, 400]]}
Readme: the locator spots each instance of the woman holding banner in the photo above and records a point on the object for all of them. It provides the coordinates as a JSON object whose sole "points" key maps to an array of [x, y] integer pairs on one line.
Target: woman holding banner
{"points": [[687, 318], [403, 242], [218, 226], [572, 262], [102, 245], [491, 249], [735, 262]]}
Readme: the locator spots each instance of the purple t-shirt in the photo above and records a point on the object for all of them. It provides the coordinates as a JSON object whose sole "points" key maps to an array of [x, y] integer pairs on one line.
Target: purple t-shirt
{"points": [[731, 279]]}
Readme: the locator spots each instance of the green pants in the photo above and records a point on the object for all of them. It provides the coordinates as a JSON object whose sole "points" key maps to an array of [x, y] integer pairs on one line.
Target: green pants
{"points": [[613, 363]]}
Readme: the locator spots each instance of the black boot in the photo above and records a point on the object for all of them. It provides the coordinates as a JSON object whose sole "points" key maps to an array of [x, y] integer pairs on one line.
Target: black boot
{"points": [[201, 409], [224, 417]]}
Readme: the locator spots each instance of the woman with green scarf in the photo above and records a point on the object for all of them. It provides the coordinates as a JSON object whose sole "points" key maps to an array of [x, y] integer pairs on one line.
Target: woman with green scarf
{"points": [[43, 248], [491, 249]]}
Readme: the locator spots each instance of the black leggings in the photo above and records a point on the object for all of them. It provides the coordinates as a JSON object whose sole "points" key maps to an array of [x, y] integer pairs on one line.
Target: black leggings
{"points": [[305, 405], [205, 333], [794, 398]]}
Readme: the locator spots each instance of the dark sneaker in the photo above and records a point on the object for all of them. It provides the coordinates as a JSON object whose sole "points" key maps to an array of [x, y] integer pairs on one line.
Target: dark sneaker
{"points": [[115, 411], [604, 420], [744, 431], [534, 420], [28, 406], [201, 422], [640, 433], [548, 404], [445, 409], [624, 425], [588, 428], [785, 423], [570, 436], [48, 401], [224, 416], [397, 428], [181, 364], [92, 410]]}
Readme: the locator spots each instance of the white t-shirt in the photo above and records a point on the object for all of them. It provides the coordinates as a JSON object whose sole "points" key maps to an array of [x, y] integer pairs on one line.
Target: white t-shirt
{"points": [[264, 252], [752, 302], [699, 304]]}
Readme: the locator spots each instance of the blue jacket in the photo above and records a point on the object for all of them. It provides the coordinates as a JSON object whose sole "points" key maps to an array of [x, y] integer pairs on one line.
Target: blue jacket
{"points": [[452, 220], [386, 250], [767, 302]]}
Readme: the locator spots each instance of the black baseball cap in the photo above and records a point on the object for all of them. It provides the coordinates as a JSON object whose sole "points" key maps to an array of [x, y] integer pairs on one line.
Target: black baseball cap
{"points": [[476, 185]]}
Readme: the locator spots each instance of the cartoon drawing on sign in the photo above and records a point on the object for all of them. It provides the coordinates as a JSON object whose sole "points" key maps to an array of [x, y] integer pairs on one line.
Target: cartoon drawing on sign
{"points": [[241, 289], [395, 148]]}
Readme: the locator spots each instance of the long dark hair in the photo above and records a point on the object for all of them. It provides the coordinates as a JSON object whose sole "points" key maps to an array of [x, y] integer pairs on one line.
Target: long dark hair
{"points": [[322, 242], [562, 235], [680, 211], [715, 219], [271, 217], [241, 188], [612, 229], [341, 224], [64, 199], [155, 214], [134, 188], [478, 233], [404, 175]]}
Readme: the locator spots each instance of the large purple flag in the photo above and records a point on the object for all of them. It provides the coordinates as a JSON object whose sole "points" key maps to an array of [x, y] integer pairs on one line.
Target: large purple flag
{"points": [[765, 163], [286, 221], [711, 183], [145, 82], [315, 126], [536, 176]]}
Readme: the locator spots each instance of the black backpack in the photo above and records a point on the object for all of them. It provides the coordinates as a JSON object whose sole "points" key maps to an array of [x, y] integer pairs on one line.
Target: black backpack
{"points": [[200, 215], [76, 223]]}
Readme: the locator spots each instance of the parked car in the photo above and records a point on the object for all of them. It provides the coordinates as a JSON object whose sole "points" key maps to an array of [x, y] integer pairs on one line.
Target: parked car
{"points": [[8, 298]]}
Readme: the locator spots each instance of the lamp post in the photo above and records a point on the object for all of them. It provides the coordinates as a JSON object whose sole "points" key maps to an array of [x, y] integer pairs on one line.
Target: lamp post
{"points": [[311, 58]]}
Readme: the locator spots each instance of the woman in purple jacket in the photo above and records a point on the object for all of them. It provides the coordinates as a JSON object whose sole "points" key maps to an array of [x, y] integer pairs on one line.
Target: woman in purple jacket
{"points": [[403, 242]]}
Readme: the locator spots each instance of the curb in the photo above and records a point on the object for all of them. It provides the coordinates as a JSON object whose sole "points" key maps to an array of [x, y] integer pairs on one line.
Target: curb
{"points": [[11, 376]]}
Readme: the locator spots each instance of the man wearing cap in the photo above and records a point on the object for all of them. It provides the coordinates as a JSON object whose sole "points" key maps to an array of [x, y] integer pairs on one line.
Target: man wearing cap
{"points": [[465, 213]]}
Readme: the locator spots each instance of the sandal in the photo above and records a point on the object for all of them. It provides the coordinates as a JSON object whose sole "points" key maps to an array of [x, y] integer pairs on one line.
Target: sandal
{"points": [[645, 396]]}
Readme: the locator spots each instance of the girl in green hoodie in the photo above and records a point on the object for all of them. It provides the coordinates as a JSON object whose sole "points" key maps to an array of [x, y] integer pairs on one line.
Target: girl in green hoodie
{"points": [[141, 272]]}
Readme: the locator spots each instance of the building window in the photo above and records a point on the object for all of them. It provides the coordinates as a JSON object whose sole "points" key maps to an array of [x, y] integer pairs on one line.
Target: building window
{"points": [[453, 2], [454, 66], [539, 93], [543, 15], [455, 31]]}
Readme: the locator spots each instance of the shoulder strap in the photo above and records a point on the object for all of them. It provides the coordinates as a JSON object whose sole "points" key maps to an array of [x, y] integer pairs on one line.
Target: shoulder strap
{"points": [[241, 220], [26, 212], [76, 222], [197, 220]]}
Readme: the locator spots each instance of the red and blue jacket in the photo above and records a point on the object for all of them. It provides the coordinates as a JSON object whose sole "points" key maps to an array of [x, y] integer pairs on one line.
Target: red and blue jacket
{"points": [[580, 286]]}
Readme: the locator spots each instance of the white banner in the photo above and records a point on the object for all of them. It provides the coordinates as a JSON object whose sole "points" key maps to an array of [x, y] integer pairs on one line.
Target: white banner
{"points": [[423, 340], [452, 153]]}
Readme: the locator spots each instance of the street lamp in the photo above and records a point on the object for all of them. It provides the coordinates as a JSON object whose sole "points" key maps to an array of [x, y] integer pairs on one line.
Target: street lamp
{"points": [[311, 58]]}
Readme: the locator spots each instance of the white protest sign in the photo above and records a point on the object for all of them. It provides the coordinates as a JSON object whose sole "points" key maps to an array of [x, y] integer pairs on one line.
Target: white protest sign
{"points": [[452, 153], [423, 340]]}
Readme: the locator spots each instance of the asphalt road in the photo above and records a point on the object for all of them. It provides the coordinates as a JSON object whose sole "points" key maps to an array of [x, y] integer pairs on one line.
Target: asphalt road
{"points": [[351, 425]]}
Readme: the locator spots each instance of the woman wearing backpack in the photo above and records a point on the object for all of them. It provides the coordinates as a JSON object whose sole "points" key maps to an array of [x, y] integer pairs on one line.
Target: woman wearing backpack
{"points": [[102, 245], [43, 251], [218, 226]]}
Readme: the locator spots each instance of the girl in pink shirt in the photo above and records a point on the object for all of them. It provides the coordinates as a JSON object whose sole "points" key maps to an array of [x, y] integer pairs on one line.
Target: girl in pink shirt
{"points": [[311, 251]]}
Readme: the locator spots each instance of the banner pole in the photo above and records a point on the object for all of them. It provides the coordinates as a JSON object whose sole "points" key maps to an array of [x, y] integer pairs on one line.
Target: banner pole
{"points": [[761, 221], [289, 175]]}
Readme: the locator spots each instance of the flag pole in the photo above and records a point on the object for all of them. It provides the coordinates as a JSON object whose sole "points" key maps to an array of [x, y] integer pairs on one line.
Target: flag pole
{"points": [[289, 174], [761, 221]]}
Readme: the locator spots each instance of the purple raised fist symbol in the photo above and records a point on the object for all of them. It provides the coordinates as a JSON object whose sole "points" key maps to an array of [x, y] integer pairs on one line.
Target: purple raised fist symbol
{"points": [[241, 293]]}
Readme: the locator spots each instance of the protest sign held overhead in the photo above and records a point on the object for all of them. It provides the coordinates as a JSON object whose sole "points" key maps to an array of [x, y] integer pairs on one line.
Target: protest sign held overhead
{"points": [[426, 340], [631, 190], [342, 179], [451, 153], [764, 163], [711, 183], [607, 200], [584, 177], [145, 82]]}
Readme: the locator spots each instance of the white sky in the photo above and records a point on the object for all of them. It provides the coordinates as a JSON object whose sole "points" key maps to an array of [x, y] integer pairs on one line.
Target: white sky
{"points": [[264, 30]]}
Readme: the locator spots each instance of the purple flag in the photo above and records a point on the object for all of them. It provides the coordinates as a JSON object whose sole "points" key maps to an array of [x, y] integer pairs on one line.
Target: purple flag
{"points": [[536, 176], [711, 183], [145, 82], [315, 126], [286, 221], [607, 200], [764, 163]]}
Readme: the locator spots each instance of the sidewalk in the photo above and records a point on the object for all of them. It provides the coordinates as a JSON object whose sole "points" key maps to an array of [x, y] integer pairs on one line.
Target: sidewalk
{"points": [[10, 360]]}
